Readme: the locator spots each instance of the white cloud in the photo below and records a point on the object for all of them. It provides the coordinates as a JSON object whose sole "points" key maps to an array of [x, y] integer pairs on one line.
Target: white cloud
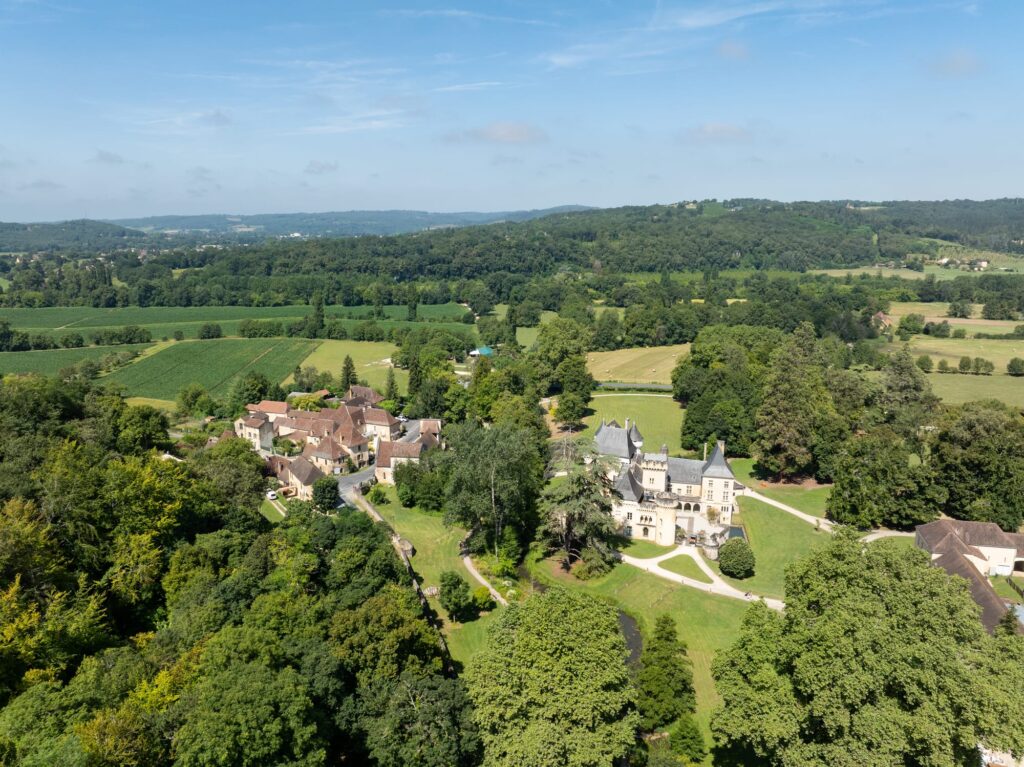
{"points": [[460, 87], [500, 133]]}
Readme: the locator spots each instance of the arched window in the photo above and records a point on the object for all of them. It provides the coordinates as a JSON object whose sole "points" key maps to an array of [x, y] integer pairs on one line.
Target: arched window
{"points": [[687, 507], [645, 532], [696, 507]]}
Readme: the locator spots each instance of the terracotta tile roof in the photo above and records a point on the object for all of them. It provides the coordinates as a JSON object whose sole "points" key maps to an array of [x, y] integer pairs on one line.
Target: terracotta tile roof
{"points": [[431, 426], [364, 393], [389, 450], [379, 417], [305, 473], [254, 421], [268, 406]]}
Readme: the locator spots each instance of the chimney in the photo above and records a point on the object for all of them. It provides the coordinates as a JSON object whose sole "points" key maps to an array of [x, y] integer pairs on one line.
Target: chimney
{"points": [[664, 449], [705, 451], [627, 424], [721, 446]]}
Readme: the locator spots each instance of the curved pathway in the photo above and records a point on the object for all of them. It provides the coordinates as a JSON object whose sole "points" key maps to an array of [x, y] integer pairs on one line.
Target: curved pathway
{"points": [[483, 581], [877, 535], [810, 519], [717, 585]]}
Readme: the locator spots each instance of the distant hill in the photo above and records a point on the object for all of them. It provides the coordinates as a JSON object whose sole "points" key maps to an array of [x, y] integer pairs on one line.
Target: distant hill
{"points": [[83, 234], [337, 224]]}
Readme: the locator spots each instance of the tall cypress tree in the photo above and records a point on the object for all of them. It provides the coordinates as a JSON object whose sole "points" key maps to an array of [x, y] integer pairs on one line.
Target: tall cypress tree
{"points": [[348, 373], [391, 386], [664, 681]]}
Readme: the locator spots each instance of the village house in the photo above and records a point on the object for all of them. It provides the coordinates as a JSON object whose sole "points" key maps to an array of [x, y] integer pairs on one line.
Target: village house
{"points": [[298, 474], [664, 499], [393, 454], [974, 551]]}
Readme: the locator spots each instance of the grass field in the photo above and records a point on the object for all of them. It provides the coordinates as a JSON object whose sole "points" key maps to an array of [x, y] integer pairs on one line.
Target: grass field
{"points": [[998, 352], [268, 510], [1003, 588], [707, 623], [685, 566], [636, 365], [658, 417], [50, 361], [777, 539], [437, 550], [369, 357], [906, 274], [215, 364], [644, 549], [957, 389], [164, 321], [810, 500], [936, 312]]}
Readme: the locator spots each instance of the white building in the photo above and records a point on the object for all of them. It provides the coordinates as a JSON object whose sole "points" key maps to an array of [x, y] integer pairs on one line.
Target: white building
{"points": [[664, 499]]}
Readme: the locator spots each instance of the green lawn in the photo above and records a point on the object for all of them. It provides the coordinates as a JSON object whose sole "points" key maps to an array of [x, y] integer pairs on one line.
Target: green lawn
{"points": [[268, 510], [1003, 588], [644, 549], [955, 389], [658, 417], [370, 357], [685, 566], [810, 500], [215, 364], [707, 623], [777, 539], [49, 362], [437, 550]]}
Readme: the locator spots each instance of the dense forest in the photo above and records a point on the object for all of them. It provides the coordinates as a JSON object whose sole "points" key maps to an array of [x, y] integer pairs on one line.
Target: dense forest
{"points": [[695, 237]]}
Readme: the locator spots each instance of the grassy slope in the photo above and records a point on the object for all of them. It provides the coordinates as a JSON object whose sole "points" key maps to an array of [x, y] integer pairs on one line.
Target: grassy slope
{"points": [[214, 364], [437, 550], [644, 549], [808, 500], [636, 365], [368, 356], [777, 539], [658, 417]]}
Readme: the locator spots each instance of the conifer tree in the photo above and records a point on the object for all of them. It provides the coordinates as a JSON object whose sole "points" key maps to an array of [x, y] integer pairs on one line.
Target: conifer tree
{"points": [[391, 386], [348, 373]]}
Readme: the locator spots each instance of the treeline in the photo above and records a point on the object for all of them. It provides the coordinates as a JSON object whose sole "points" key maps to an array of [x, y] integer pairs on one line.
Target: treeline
{"points": [[151, 616], [703, 237]]}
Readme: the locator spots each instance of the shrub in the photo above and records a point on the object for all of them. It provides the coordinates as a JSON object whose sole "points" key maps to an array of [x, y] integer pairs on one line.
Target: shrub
{"points": [[377, 495], [1015, 367], [925, 363], [959, 333], [482, 598], [685, 739], [455, 597], [210, 330], [944, 367], [736, 558], [179, 335]]}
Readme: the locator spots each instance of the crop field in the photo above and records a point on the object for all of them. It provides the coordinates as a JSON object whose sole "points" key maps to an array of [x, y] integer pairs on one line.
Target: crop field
{"points": [[215, 364], [51, 361], [164, 321], [371, 360], [636, 365], [936, 312], [658, 417]]}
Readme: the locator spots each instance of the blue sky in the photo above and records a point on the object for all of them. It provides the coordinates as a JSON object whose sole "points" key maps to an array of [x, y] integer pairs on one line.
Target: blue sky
{"points": [[135, 108]]}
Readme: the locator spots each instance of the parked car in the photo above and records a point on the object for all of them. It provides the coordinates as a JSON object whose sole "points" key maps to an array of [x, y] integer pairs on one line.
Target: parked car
{"points": [[402, 419], [271, 495]]}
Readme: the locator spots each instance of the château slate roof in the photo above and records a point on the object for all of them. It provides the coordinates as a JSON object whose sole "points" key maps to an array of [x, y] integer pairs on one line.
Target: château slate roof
{"points": [[716, 466], [612, 439], [627, 486], [635, 435], [685, 471]]}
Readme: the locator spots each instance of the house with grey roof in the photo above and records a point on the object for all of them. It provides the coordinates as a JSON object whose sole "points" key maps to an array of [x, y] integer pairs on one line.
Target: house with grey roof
{"points": [[663, 499], [974, 551]]}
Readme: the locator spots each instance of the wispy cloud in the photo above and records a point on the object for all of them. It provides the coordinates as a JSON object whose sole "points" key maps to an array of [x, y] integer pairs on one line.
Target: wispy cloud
{"points": [[215, 118], [181, 123], [320, 167], [362, 121], [499, 133], [956, 64], [457, 13], [717, 133], [103, 157], [461, 87]]}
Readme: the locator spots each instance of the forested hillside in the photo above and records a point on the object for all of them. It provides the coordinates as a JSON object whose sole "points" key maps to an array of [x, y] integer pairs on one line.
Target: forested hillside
{"points": [[81, 236]]}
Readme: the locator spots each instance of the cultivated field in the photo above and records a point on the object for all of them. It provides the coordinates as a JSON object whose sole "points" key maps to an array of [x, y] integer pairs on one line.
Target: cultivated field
{"points": [[636, 365], [658, 417], [51, 361], [936, 312], [164, 321], [215, 364], [371, 358]]}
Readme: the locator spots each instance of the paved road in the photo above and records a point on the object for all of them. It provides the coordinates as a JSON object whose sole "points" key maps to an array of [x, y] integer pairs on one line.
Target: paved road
{"points": [[717, 585]]}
